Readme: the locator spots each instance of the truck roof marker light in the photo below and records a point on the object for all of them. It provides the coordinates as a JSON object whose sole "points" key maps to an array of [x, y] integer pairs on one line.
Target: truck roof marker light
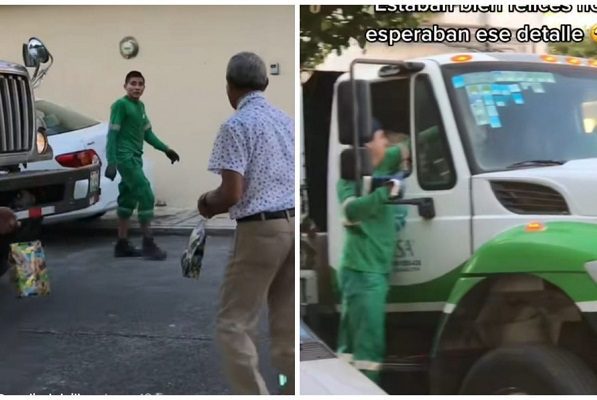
{"points": [[549, 58], [462, 58], [535, 227], [573, 61]]}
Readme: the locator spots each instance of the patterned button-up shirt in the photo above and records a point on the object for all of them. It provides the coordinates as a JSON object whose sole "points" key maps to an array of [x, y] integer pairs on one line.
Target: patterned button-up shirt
{"points": [[258, 143]]}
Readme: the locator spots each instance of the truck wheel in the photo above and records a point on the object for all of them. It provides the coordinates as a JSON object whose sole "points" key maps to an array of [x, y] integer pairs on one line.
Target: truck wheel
{"points": [[529, 369]]}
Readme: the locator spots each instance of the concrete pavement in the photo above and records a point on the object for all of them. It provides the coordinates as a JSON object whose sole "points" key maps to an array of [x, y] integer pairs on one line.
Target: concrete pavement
{"points": [[118, 326]]}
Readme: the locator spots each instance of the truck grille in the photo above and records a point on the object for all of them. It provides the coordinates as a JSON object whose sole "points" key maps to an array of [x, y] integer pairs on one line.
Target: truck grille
{"points": [[16, 114], [528, 198]]}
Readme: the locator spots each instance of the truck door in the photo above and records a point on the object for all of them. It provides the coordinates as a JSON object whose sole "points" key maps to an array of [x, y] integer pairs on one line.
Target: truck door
{"points": [[430, 249]]}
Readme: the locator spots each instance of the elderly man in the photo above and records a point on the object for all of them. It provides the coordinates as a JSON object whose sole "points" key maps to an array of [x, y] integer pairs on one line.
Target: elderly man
{"points": [[254, 155]]}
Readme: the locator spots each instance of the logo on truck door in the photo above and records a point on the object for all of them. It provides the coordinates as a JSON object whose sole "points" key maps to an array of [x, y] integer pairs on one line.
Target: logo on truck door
{"points": [[405, 259]]}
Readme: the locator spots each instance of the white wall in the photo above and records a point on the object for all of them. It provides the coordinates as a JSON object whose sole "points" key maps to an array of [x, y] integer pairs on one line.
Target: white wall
{"points": [[183, 55]]}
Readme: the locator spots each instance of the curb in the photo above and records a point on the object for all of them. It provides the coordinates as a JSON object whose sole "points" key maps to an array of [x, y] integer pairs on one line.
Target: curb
{"points": [[165, 231], [157, 230]]}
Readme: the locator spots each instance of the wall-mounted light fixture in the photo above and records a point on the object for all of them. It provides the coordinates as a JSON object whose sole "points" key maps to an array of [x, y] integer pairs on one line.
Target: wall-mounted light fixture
{"points": [[274, 69], [129, 47]]}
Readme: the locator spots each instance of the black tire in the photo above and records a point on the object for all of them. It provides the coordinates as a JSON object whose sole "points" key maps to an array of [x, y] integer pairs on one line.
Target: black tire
{"points": [[529, 369]]}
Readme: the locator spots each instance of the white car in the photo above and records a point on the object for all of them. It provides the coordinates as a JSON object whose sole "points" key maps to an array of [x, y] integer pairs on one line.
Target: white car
{"points": [[78, 140]]}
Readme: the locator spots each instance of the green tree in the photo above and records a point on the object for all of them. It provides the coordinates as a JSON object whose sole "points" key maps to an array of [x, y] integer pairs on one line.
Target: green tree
{"points": [[587, 48], [329, 28]]}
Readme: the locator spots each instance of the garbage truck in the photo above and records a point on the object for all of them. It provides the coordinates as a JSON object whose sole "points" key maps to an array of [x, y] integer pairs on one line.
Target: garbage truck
{"points": [[33, 195], [493, 286]]}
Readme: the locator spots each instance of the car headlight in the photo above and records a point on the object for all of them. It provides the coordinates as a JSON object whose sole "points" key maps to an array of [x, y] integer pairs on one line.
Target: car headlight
{"points": [[41, 141]]}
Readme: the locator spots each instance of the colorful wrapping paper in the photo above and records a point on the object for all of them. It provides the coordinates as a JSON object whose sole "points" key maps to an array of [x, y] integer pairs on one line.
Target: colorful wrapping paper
{"points": [[30, 273]]}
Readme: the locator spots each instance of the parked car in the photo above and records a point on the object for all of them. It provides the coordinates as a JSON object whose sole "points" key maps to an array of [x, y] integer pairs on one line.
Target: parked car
{"points": [[77, 140]]}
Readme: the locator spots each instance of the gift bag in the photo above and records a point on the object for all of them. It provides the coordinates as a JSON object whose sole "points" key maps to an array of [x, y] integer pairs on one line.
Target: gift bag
{"points": [[192, 257], [29, 268]]}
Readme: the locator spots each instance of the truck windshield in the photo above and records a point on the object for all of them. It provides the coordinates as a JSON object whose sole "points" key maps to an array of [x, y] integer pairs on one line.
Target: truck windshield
{"points": [[520, 115]]}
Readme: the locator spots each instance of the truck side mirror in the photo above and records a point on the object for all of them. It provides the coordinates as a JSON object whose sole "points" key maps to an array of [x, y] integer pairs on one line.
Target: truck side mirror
{"points": [[347, 164], [27, 60], [35, 53], [345, 112]]}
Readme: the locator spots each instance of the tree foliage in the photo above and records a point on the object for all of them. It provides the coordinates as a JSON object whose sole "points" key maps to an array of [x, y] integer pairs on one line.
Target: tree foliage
{"points": [[587, 48], [329, 28]]}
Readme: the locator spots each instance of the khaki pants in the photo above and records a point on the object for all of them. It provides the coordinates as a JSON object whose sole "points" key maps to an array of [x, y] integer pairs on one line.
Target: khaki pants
{"points": [[261, 270]]}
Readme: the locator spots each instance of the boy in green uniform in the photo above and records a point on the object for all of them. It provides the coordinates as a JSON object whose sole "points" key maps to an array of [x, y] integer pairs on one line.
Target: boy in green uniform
{"points": [[129, 128], [369, 247]]}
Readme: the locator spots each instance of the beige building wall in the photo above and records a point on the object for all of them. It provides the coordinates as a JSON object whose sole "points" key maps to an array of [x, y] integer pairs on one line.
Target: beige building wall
{"points": [[183, 52]]}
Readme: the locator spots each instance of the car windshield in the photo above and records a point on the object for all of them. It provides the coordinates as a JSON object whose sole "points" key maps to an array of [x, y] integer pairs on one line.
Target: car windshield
{"points": [[519, 115], [57, 119]]}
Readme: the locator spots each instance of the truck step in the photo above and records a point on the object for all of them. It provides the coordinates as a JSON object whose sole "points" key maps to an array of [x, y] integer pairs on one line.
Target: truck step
{"points": [[419, 363]]}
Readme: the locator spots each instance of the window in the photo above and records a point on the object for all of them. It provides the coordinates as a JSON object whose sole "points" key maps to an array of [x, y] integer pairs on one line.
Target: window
{"points": [[435, 169], [57, 119], [509, 113], [390, 104]]}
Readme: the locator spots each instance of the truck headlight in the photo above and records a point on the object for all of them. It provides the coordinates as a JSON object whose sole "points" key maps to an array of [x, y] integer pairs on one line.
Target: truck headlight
{"points": [[41, 141]]}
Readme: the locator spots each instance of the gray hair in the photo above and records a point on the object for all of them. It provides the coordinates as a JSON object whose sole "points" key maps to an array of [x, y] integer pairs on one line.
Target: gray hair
{"points": [[247, 70]]}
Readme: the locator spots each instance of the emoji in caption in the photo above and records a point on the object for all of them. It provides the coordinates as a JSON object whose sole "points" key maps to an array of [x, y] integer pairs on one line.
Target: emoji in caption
{"points": [[593, 33]]}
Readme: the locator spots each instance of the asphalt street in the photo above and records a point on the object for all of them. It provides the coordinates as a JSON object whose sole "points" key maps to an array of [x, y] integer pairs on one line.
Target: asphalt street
{"points": [[116, 326]]}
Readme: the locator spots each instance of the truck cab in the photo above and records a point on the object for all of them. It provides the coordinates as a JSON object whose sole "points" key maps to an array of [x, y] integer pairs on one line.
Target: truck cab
{"points": [[33, 194], [495, 270]]}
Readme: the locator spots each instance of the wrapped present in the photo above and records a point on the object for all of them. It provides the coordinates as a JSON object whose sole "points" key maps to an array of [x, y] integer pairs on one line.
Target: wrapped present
{"points": [[29, 266], [193, 256]]}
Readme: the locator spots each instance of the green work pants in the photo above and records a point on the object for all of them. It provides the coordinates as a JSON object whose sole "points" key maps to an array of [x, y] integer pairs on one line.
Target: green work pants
{"points": [[134, 191], [362, 320]]}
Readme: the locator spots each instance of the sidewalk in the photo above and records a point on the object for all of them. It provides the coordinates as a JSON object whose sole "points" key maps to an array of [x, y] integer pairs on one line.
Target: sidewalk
{"points": [[169, 221]]}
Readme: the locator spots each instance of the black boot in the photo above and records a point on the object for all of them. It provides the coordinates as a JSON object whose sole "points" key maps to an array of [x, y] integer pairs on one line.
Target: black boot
{"points": [[124, 248], [151, 251]]}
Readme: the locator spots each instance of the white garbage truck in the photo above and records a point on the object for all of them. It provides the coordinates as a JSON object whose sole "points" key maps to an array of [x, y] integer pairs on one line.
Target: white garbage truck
{"points": [[493, 287], [33, 195]]}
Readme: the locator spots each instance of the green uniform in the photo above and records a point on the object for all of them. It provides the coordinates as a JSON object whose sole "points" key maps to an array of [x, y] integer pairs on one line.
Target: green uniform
{"points": [[129, 128], [369, 248]]}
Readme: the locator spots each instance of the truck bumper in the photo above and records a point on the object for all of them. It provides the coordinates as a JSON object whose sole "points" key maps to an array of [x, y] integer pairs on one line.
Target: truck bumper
{"points": [[53, 191]]}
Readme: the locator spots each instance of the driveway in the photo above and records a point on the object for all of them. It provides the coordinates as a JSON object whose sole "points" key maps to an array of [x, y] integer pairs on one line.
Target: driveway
{"points": [[116, 326]]}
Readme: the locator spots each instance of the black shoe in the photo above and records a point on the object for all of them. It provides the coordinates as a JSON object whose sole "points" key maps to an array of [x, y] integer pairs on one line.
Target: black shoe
{"points": [[124, 248], [151, 251]]}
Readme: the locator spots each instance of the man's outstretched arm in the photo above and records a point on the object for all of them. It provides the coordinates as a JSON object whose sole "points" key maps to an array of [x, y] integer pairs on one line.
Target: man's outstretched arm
{"points": [[153, 140]]}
